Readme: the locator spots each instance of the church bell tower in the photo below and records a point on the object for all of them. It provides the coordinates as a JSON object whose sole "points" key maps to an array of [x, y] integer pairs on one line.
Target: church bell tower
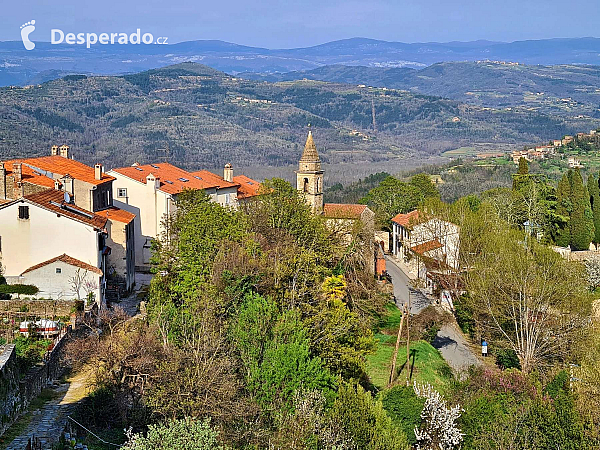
{"points": [[309, 176]]}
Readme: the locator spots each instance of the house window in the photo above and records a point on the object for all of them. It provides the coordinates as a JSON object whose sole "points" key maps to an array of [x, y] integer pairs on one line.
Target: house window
{"points": [[305, 187], [227, 199], [58, 270], [122, 192], [24, 212]]}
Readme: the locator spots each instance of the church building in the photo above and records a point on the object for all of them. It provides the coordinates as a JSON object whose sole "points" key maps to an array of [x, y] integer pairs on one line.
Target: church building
{"points": [[341, 217]]}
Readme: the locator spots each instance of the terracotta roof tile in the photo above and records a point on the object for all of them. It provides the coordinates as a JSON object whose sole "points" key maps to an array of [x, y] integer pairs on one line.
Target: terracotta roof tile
{"points": [[343, 210], [61, 166], [426, 247], [28, 175], [68, 260], [248, 187], [410, 218], [114, 213], [53, 200], [172, 177]]}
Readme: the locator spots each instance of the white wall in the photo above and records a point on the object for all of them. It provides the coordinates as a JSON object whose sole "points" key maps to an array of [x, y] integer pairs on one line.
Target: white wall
{"points": [[59, 285], [43, 236]]}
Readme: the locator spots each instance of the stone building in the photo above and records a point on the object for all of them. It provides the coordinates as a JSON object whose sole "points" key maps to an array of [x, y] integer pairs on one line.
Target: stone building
{"points": [[309, 176]]}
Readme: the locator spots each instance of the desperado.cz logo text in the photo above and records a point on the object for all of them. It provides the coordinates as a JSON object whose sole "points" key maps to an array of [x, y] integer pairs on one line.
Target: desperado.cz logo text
{"points": [[58, 37]]}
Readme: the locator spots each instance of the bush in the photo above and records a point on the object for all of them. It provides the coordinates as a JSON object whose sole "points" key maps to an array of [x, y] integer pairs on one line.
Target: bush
{"points": [[186, 434], [506, 358], [19, 289], [464, 315], [364, 420], [404, 408], [30, 351]]}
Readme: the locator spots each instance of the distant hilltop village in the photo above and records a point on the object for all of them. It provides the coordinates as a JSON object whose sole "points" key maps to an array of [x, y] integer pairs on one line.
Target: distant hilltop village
{"points": [[544, 151]]}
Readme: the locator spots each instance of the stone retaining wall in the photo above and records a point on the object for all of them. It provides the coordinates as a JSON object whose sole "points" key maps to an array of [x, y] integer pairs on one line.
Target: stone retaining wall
{"points": [[42, 308], [15, 392]]}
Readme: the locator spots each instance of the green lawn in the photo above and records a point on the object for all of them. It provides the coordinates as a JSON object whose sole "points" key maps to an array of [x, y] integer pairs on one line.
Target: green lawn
{"points": [[428, 364]]}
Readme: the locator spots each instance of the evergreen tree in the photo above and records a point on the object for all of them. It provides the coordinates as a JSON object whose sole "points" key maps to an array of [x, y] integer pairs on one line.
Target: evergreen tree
{"points": [[581, 222], [562, 234], [594, 191], [523, 167]]}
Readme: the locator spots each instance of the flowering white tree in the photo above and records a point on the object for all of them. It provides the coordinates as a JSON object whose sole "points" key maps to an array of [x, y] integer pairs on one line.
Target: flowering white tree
{"points": [[592, 266], [438, 429]]}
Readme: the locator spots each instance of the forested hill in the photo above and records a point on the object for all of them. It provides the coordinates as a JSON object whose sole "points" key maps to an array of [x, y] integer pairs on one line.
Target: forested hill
{"points": [[562, 89], [199, 117]]}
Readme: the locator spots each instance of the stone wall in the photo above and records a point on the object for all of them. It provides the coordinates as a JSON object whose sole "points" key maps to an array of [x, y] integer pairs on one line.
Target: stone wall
{"points": [[41, 308], [16, 392]]}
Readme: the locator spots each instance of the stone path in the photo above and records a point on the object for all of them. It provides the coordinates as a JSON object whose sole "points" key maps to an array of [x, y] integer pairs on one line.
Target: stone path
{"points": [[49, 421]]}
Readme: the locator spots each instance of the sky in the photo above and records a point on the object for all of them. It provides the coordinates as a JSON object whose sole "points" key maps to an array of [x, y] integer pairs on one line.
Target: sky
{"points": [[293, 23]]}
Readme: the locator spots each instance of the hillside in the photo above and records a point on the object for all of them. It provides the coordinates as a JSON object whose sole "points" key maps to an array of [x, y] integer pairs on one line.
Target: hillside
{"points": [[206, 118], [19, 67], [564, 89]]}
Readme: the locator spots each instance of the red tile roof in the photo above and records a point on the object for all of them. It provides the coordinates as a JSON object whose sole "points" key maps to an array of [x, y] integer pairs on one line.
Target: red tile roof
{"points": [[209, 177], [61, 166], [29, 175], [426, 247], [114, 213], [410, 218], [171, 177], [53, 200], [343, 211], [68, 260], [248, 187]]}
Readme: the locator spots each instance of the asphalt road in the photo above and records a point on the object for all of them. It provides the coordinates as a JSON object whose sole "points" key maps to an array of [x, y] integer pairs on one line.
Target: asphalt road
{"points": [[402, 288], [449, 341]]}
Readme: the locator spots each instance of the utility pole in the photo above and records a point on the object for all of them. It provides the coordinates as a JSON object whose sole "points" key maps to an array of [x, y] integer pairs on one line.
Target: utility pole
{"points": [[393, 371], [408, 341], [373, 114]]}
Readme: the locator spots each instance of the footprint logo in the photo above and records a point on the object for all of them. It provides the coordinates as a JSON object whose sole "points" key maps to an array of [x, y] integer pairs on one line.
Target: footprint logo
{"points": [[26, 30]]}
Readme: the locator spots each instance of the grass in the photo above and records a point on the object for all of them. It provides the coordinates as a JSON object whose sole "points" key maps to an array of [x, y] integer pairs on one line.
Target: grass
{"points": [[19, 426], [462, 151], [427, 364]]}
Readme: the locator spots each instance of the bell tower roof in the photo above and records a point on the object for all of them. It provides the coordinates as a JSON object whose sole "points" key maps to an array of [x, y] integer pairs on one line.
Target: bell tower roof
{"points": [[310, 153]]}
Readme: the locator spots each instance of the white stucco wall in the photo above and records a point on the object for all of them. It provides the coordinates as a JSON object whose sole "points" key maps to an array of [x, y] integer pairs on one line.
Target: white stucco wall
{"points": [[57, 286], [43, 236]]}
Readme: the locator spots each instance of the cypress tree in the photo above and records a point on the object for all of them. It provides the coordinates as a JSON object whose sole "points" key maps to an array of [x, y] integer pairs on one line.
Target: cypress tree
{"points": [[594, 191], [581, 223], [563, 210], [523, 167]]}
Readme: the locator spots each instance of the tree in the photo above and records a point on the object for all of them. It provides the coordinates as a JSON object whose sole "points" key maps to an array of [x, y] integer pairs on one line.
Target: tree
{"points": [[423, 183], [438, 429], [564, 206], [392, 197], [528, 298], [594, 193], [581, 222], [523, 167]]}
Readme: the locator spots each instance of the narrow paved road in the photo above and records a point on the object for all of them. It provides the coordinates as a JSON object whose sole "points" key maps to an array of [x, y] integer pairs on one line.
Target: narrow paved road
{"points": [[402, 287], [449, 341]]}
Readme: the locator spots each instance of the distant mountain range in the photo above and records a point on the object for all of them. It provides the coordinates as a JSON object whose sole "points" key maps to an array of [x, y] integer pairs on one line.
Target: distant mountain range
{"points": [[19, 66], [571, 90], [198, 117]]}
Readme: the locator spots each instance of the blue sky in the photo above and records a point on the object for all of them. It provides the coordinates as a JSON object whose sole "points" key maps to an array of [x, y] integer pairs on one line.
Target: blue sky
{"points": [[285, 24]]}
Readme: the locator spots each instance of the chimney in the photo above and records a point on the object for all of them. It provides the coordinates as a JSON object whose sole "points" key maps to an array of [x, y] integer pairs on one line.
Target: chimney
{"points": [[153, 181], [98, 171], [2, 181], [228, 172], [18, 172], [55, 150], [64, 151]]}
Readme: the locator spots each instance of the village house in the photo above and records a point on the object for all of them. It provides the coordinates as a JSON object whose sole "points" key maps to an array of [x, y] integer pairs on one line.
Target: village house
{"points": [[88, 188], [48, 241], [150, 193], [425, 243]]}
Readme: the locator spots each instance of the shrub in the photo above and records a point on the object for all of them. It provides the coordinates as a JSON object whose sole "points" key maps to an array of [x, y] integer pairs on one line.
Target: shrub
{"points": [[404, 407], [186, 434], [19, 289], [364, 420], [507, 358]]}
